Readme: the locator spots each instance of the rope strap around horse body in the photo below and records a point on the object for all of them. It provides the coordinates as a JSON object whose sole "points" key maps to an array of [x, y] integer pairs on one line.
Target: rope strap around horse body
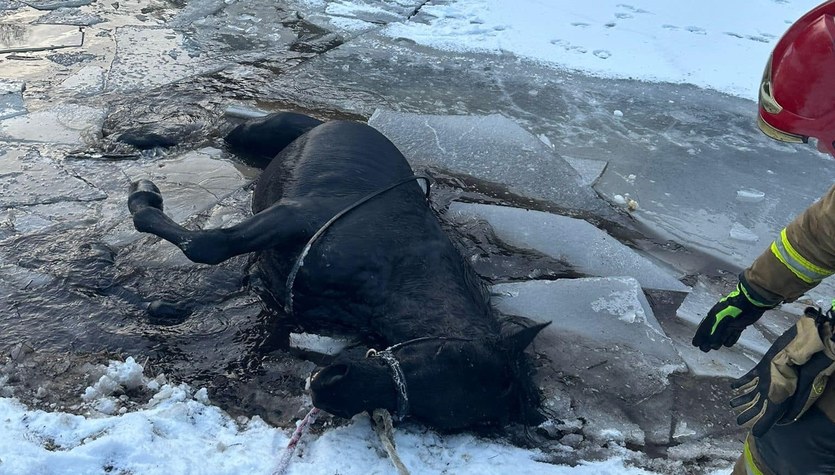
{"points": [[291, 278]]}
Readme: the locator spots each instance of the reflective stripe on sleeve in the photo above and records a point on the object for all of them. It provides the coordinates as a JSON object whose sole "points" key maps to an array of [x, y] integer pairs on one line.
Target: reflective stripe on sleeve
{"points": [[799, 265], [750, 464]]}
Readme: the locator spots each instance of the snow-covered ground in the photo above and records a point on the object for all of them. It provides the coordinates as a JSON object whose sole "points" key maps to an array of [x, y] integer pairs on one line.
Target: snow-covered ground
{"points": [[168, 427], [178, 431], [722, 45]]}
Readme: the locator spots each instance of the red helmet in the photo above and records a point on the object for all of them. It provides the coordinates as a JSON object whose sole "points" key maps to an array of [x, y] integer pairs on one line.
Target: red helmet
{"points": [[797, 93]]}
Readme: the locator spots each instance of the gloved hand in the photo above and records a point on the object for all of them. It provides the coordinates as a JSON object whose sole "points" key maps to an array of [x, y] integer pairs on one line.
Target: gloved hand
{"points": [[789, 379], [726, 320]]}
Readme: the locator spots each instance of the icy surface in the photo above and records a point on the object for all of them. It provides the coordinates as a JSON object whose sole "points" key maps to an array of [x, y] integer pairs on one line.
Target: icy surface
{"points": [[152, 57], [70, 124], [191, 183], [665, 143], [730, 224], [357, 16], [643, 39], [87, 81], [11, 99], [492, 148], [589, 170], [22, 38], [320, 344], [604, 333], [30, 179], [574, 241]]}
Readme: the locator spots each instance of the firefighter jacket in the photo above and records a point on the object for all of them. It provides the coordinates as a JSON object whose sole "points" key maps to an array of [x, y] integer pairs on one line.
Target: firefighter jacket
{"points": [[799, 258]]}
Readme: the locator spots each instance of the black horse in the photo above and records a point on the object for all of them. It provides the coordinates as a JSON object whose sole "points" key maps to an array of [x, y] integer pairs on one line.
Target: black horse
{"points": [[345, 235]]}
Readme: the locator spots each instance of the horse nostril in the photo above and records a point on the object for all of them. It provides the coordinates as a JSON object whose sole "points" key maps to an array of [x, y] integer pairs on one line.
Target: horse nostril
{"points": [[330, 375]]}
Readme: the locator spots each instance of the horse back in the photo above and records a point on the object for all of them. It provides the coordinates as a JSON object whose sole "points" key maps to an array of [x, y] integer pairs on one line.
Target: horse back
{"points": [[338, 159]]}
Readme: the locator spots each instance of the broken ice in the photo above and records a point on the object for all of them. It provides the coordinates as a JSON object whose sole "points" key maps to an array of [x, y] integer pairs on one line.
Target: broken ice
{"points": [[578, 243], [491, 148], [750, 196], [16, 38]]}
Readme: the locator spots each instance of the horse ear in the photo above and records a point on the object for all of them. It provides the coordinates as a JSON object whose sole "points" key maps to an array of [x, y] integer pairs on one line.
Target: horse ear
{"points": [[518, 340]]}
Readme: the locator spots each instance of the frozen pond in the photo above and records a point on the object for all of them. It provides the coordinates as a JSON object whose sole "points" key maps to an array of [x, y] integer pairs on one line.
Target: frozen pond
{"points": [[531, 163]]}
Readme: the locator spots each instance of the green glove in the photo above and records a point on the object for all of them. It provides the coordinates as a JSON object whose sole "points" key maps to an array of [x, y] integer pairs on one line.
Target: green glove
{"points": [[726, 320], [790, 377]]}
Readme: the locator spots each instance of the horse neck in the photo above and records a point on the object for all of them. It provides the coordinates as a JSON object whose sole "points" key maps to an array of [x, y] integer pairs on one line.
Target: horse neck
{"points": [[439, 307]]}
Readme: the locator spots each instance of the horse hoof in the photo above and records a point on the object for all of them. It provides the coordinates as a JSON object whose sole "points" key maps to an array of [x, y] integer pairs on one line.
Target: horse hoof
{"points": [[144, 194]]}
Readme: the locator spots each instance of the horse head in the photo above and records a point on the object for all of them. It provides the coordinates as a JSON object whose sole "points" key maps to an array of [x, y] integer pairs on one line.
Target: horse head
{"points": [[447, 383]]}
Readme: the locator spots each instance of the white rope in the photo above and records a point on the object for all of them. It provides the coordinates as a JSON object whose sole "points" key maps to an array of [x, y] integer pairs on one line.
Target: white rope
{"points": [[384, 429]]}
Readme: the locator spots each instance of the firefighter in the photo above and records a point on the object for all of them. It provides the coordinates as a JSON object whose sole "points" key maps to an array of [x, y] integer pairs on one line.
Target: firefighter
{"points": [[786, 399]]}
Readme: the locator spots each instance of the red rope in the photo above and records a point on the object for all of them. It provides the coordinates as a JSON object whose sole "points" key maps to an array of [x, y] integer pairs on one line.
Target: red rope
{"points": [[284, 463]]}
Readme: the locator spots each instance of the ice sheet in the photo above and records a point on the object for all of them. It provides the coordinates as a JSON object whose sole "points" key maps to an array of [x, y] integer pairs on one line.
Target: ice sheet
{"points": [[574, 241], [492, 148], [606, 340]]}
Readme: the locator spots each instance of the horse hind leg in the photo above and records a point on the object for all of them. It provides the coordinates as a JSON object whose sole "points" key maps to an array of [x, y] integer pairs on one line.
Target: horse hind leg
{"points": [[266, 229], [258, 141]]}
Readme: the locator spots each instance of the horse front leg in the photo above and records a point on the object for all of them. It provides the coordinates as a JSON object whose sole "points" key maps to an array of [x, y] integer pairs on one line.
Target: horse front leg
{"points": [[269, 228]]}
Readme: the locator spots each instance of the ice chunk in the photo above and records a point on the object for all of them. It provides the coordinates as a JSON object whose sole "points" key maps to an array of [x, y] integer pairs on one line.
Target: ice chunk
{"points": [[361, 15], [597, 338], [31, 179], [725, 363], [491, 148], [8, 86], [56, 4], [70, 124], [608, 311], [243, 112], [741, 233], [139, 64], [589, 170], [118, 375], [191, 183], [11, 99], [17, 38], [583, 246], [750, 196], [86, 81], [69, 16], [682, 432], [319, 344], [11, 104], [37, 218]]}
